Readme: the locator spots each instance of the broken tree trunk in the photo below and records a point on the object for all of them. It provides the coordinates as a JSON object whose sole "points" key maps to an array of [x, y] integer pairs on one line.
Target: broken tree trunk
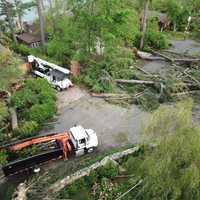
{"points": [[147, 56], [20, 193], [162, 55], [60, 184], [135, 82], [109, 95], [192, 78], [187, 60], [179, 54], [14, 121], [144, 71]]}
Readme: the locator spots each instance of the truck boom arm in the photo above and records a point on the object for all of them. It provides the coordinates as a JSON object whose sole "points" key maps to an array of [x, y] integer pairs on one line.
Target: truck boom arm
{"points": [[63, 140]]}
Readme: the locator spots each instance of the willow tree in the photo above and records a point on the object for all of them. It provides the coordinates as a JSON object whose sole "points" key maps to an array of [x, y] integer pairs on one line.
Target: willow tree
{"points": [[172, 169]]}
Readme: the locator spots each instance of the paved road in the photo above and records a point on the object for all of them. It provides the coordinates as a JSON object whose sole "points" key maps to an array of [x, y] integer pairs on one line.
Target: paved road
{"points": [[115, 125]]}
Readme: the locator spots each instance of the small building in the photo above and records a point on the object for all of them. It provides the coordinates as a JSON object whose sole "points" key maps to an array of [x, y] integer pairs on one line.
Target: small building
{"points": [[30, 40]]}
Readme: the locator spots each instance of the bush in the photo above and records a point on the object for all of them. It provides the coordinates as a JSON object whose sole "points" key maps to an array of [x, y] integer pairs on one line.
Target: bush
{"points": [[41, 112], [35, 104], [5, 57], [3, 157], [153, 39], [21, 49], [91, 179], [3, 113], [110, 170], [27, 129]]}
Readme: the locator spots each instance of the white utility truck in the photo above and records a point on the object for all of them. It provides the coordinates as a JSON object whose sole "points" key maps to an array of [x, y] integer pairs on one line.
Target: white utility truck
{"points": [[54, 74]]}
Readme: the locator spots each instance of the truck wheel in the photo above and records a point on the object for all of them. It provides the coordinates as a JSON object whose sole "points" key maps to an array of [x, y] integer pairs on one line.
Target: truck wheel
{"points": [[58, 88], [90, 150]]}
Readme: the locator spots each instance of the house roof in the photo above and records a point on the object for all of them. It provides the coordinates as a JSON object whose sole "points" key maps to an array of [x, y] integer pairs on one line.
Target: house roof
{"points": [[28, 38]]}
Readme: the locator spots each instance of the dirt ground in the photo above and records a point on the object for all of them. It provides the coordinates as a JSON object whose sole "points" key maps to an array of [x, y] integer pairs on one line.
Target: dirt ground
{"points": [[114, 125]]}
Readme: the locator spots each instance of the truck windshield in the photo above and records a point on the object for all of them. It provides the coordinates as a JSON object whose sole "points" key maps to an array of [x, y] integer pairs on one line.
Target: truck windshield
{"points": [[82, 141]]}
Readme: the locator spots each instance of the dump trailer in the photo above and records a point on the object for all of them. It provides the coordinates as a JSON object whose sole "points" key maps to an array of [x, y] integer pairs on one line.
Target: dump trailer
{"points": [[76, 141]]}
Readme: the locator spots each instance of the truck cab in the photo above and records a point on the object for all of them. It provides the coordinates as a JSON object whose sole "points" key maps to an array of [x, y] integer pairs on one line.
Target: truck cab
{"points": [[83, 140]]}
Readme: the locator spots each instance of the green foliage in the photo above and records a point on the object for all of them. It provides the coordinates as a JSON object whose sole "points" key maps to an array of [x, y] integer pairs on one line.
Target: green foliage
{"points": [[171, 170], [3, 112], [27, 152], [41, 112], [35, 104], [91, 179], [99, 74], [164, 123], [5, 58], [149, 100], [9, 72], [26, 129], [153, 39], [21, 49], [35, 91], [3, 157], [4, 115], [110, 170], [111, 24]]}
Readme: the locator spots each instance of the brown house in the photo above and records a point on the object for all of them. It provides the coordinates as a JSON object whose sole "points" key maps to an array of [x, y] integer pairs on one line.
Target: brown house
{"points": [[29, 39]]}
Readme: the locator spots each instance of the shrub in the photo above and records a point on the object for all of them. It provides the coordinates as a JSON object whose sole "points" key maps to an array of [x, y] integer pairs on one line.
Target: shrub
{"points": [[9, 71], [27, 129], [41, 112], [35, 103], [21, 49], [110, 170], [3, 112], [3, 157], [91, 179], [5, 57], [153, 39]]}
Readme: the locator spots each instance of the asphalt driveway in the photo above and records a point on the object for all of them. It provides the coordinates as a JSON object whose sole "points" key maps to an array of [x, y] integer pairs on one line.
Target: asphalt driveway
{"points": [[115, 126]]}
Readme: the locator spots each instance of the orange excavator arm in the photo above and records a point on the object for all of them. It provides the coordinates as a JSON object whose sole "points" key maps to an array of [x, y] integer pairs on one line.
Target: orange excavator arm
{"points": [[62, 138]]}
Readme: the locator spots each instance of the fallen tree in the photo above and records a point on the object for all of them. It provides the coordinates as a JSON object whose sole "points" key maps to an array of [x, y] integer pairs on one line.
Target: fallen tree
{"points": [[110, 95], [60, 184], [13, 115], [147, 56], [135, 81]]}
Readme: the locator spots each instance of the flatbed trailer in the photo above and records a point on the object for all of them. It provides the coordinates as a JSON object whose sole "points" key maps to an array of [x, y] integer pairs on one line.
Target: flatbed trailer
{"points": [[77, 141]]}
